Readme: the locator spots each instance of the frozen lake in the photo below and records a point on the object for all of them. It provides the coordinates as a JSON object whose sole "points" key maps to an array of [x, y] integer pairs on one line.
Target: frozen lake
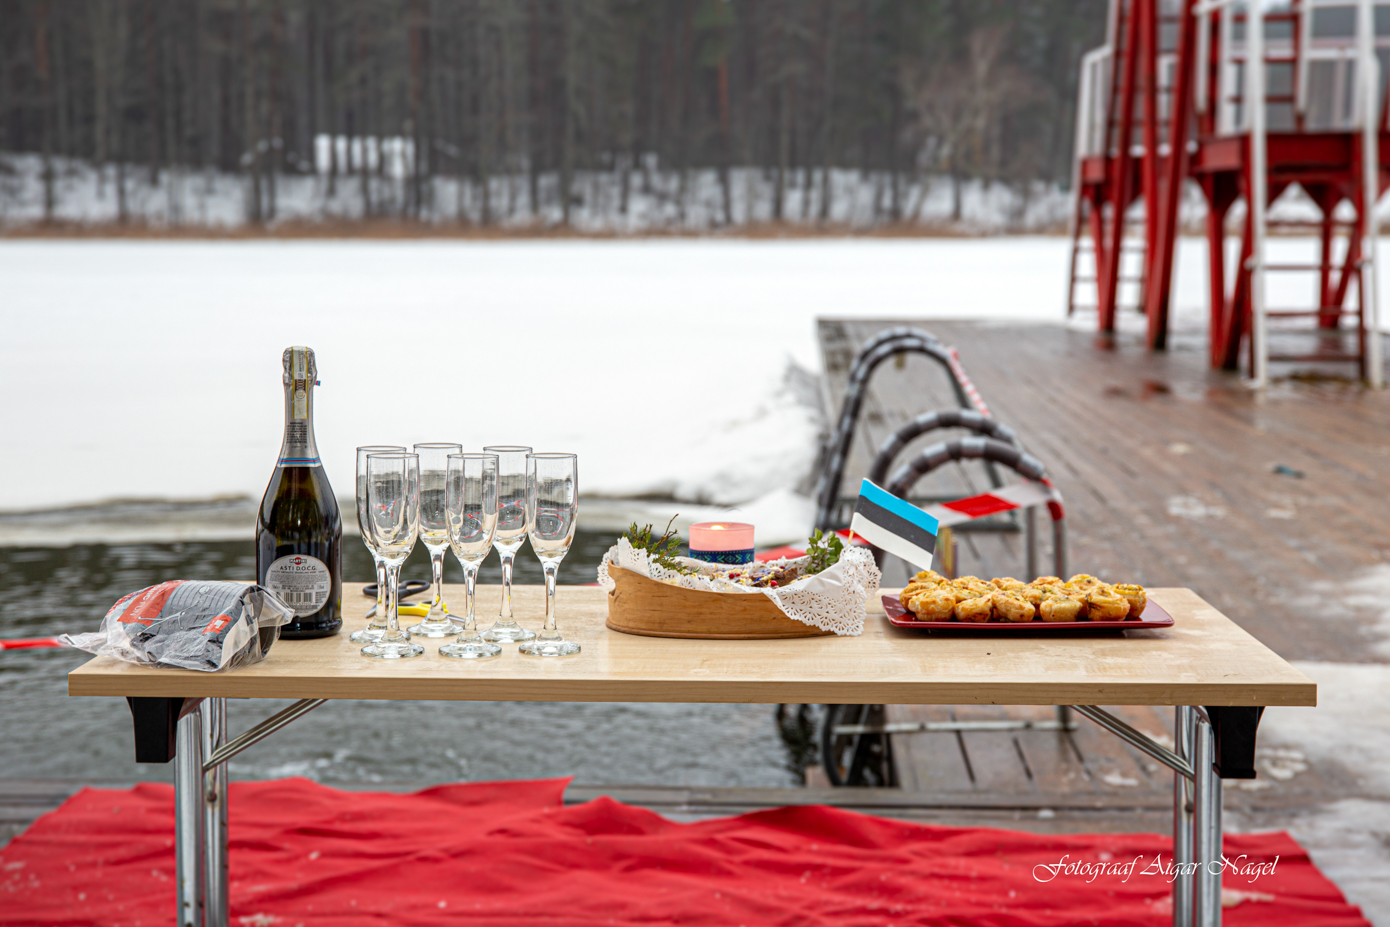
{"points": [[151, 369]]}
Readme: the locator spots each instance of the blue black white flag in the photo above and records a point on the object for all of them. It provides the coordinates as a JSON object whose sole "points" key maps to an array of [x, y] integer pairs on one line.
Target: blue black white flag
{"points": [[894, 525]]}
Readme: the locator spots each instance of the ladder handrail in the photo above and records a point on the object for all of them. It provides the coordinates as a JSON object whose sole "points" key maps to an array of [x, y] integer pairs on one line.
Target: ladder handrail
{"points": [[874, 352]]}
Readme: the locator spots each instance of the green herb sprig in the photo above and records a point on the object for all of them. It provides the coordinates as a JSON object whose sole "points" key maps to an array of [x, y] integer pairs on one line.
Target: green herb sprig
{"points": [[663, 550], [824, 549]]}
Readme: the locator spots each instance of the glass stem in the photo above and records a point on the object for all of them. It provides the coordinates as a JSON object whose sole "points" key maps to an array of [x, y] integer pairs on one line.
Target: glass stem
{"points": [[393, 626], [437, 569], [507, 557], [549, 632], [470, 582], [379, 619]]}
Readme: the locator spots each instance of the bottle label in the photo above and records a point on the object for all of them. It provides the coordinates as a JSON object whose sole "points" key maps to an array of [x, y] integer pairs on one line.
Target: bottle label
{"points": [[302, 581]]}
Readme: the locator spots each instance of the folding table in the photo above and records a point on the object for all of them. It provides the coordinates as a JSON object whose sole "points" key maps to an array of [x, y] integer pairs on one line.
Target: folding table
{"points": [[1218, 678]]}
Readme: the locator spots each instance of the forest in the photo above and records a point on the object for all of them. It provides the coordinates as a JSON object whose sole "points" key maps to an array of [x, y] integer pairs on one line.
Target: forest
{"points": [[488, 112]]}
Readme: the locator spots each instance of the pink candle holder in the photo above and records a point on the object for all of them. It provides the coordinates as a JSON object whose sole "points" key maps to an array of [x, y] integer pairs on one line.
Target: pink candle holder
{"points": [[722, 542]]}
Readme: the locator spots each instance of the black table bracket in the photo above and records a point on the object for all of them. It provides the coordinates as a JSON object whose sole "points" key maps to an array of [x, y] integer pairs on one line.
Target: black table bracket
{"points": [[1235, 739], [156, 720]]}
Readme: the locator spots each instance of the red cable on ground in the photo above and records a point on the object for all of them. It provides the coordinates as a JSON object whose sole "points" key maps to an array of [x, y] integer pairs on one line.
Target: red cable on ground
{"points": [[30, 643]]}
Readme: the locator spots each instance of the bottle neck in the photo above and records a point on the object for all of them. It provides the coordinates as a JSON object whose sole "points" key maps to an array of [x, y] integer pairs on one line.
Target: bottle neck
{"points": [[299, 449]]}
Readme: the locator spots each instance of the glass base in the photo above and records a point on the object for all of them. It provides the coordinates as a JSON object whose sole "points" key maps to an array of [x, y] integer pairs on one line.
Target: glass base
{"points": [[428, 628], [392, 650], [470, 650], [549, 648], [366, 635], [507, 631]]}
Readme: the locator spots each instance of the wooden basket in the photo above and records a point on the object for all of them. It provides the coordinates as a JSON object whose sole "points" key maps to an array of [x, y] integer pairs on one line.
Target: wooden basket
{"points": [[638, 605]]}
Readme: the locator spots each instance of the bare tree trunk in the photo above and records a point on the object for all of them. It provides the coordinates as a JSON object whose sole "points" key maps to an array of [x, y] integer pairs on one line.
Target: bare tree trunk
{"points": [[43, 71], [827, 140], [569, 28], [251, 142]]}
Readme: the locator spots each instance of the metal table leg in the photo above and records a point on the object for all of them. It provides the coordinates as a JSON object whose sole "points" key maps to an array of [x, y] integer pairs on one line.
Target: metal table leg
{"points": [[188, 819], [1206, 827], [1182, 820], [214, 800]]}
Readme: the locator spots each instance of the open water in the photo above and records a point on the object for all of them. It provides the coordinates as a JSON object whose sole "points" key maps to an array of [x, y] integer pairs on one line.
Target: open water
{"points": [[46, 734]]}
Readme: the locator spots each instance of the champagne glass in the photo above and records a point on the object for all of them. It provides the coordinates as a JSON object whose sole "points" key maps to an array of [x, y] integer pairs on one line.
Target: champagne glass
{"points": [[393, 517], [552, 510], [376, 625], [472, 505], [511, 533], [434, 532]]}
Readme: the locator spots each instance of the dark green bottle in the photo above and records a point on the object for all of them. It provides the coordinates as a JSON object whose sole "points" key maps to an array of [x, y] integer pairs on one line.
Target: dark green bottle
{"points": [[299, 531]]}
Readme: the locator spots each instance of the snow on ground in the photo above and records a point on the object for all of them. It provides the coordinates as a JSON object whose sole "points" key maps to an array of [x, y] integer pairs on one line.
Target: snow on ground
{"points": [[1348, 839]]}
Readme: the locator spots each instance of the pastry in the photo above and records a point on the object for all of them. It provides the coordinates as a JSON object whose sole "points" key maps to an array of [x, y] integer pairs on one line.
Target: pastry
{"points": [[979, 609], [933, 605], [1136, 596], [1012, 608], [1104, 605], [1056, 607]]}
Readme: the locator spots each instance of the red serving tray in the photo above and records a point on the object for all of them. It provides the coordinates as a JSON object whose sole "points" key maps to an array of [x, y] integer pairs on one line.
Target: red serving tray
{"points": [[1154, 617]]}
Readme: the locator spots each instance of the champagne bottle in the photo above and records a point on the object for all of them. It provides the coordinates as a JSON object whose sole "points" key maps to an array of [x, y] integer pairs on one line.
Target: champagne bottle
{"points": [[299, 530]]}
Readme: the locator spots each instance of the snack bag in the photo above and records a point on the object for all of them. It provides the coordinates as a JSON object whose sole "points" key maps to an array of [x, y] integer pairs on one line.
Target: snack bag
{"points": [[191, 624]]}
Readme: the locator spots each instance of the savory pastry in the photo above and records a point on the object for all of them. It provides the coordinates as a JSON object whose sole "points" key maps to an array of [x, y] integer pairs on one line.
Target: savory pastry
{"points": [[1047, 581], [1030, 594], [1104, 605], [933, 605], [1135, 595], [1083, 581], [979, 609], [928, 576], [912, 589], [1005, 582], [970, 587], [1012, 608], [1056, 607]]}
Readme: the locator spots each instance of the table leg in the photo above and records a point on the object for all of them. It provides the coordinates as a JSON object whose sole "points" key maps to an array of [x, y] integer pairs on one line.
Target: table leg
{"points": [[188, 819], [214, 800], [1206, 827], [1182, 820]]}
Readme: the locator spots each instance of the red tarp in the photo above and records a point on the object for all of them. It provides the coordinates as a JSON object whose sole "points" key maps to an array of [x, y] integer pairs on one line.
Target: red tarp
{"points": [[510, 853]]}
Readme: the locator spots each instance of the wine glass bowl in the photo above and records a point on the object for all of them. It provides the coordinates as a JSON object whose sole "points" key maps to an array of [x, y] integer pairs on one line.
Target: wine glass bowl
{"points": [[471, 503], [552, 514], [393, 520]]}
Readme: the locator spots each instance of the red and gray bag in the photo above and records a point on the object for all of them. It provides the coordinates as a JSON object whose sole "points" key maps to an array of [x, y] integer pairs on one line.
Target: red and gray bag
{"points": [[192, 624]]}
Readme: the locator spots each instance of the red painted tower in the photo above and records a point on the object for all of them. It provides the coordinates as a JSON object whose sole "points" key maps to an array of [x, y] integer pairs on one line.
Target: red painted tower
{"points": [[1170, 99]]}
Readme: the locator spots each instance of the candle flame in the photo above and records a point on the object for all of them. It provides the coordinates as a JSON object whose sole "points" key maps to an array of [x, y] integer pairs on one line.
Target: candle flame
{"points": [[716, 527]]}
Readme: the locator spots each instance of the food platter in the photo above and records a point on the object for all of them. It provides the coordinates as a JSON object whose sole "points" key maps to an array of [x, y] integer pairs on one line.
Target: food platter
{"points": [[1154, 617]]}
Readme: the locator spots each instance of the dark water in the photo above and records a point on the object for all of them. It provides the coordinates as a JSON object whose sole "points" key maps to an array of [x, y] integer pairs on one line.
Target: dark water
{"points": [[44, 733]]}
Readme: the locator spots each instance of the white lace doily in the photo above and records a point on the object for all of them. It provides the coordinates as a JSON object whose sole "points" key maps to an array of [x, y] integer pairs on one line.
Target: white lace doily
{"points": [[832, 600]]}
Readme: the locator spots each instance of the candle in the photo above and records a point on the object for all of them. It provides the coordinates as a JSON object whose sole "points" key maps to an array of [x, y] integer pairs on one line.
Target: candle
{"points": [[722, 542]]}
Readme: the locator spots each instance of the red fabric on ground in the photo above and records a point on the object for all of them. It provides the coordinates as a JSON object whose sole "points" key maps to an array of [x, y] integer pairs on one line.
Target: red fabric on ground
{"points": [[510, 853]]}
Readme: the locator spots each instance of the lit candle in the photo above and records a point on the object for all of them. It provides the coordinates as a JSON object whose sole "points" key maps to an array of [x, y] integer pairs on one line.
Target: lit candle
{"points": [[722, 542]]}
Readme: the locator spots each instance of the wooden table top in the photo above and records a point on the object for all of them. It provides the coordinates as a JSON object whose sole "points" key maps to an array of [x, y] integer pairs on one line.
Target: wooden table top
{"points": [[1205, 659]]}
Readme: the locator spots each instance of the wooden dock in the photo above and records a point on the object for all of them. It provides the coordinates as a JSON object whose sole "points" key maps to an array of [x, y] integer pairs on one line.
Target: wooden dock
{"points": [[1171, 475], [1168, 470]]}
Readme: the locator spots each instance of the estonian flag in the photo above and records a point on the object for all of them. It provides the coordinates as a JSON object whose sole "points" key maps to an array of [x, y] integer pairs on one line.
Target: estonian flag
{"points": [[894, 525]]}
